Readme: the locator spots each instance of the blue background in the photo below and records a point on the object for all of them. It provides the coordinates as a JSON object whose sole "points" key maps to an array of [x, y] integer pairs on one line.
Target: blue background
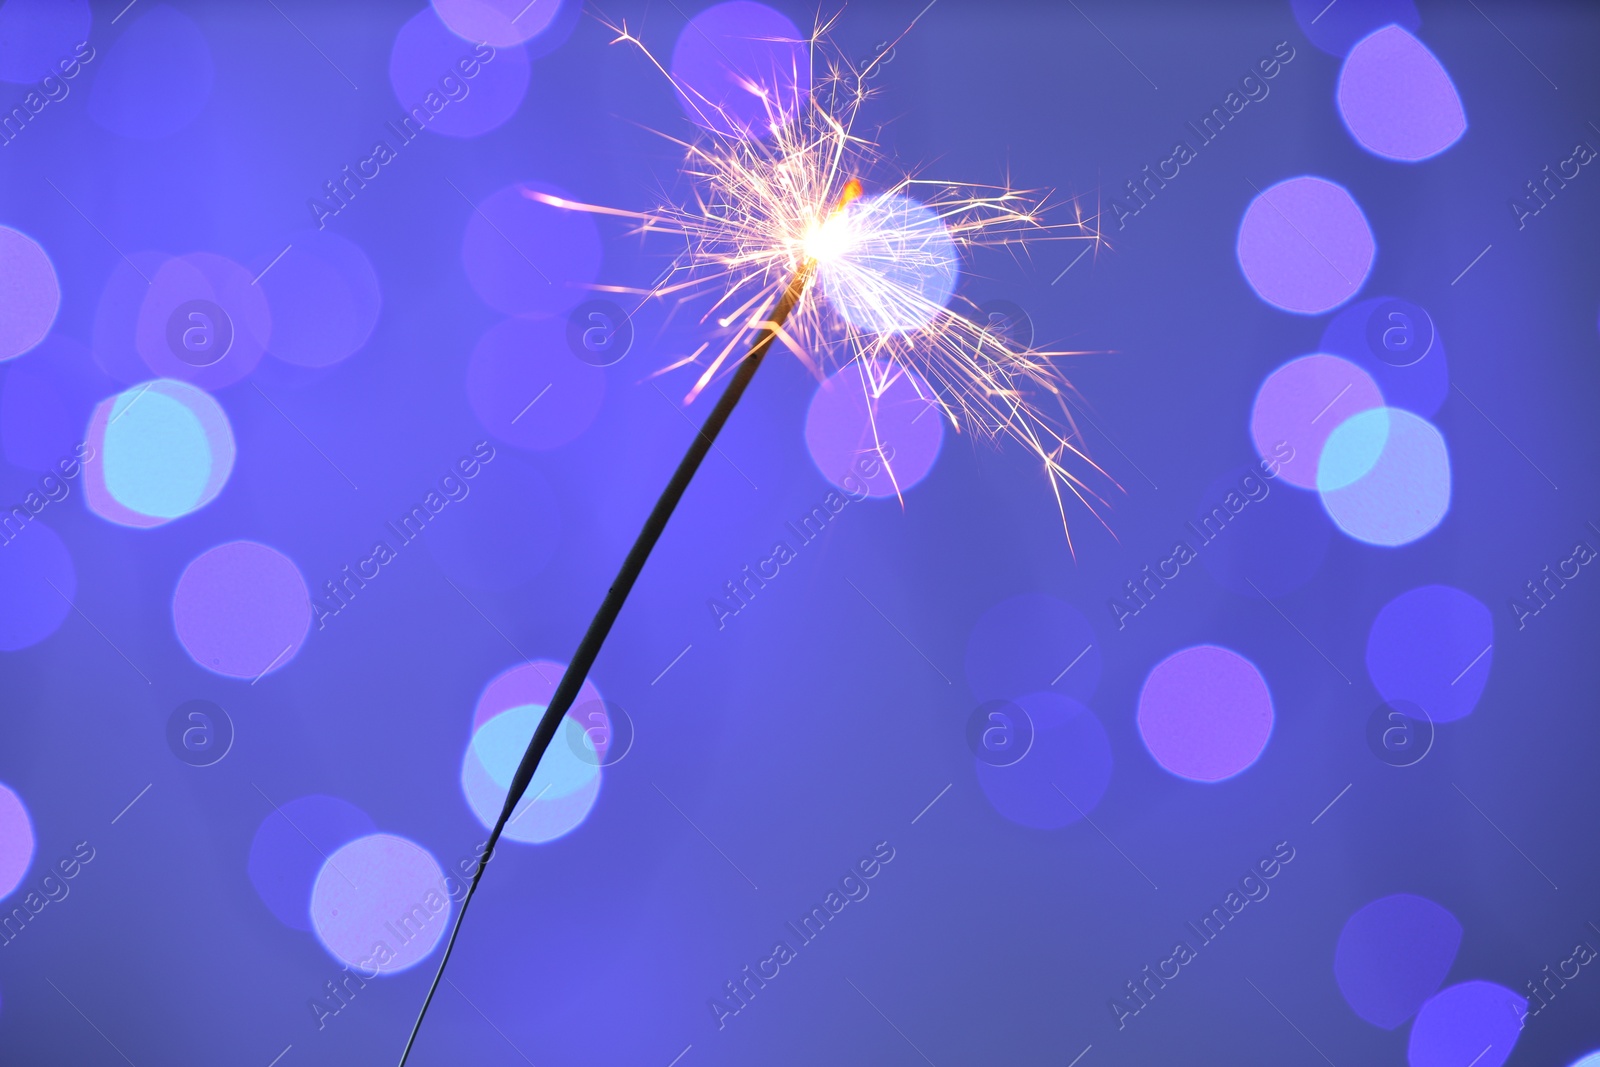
{"points": [[810, 729]]}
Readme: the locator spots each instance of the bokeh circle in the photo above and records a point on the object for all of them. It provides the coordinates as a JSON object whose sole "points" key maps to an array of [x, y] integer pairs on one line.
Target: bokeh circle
{"points": [[1064, 773], [241, 609], [380, 904], [164, 449], [16, 840], [894, 267], [524, 256], [1432, 646], [30, 294], [1205, 713], [877, 433], [1384, 476], [740, 69], [1305, 246], [290, 847], [1396, 99], [1392, 955]]}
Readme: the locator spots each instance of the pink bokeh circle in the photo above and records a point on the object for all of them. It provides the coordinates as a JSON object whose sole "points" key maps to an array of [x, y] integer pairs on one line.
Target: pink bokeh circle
{"points": [[1305, 246], [1205, 713], [241, 609], [874, 437]]}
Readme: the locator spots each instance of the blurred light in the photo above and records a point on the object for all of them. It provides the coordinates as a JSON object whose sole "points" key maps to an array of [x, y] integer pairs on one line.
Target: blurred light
{"points": [[202, 321], [241, 609], [528, 389], [1392, 955], [740, 68], [324, 297], [29, 293], [1475, 1023], [164, 449], [155, 78], [37, 581], [290, 847], [1432, 646], [116, 315], [1205, 713], [1300, 404], [524, 257], [1403, 494], [451, 86], [1396, 342], [565, 786], [1032, 643], [380, 904], [883, 445], [498, 22], [1396, 99], [894, 266], [562, 791], [533, 682], [16, 840], [1063, 775], [35, 35], [1305, 246]]}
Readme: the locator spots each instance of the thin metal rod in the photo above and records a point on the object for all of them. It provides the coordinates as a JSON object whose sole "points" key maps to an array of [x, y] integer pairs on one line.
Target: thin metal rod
{"points": [[567, 691]]}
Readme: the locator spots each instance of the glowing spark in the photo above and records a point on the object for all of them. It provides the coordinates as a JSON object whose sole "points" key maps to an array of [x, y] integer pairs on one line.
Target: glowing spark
{"points": [[763, 210]]}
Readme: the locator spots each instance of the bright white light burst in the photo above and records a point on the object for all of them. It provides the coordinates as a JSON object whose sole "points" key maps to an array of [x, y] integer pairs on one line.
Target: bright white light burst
{"points": [[761, 211]]}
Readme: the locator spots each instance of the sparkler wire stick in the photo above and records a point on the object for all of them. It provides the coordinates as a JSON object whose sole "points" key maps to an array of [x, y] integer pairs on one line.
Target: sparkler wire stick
{"points": [[572, 680]]}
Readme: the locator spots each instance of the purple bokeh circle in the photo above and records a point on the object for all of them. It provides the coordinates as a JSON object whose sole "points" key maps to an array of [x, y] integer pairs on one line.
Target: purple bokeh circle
{"points": [[1432, 646], [1475, 1023], [1066, 770], [1305, 246], [1396, 99], [116, 316], [874, 438], [36, 35], [30, 294], [449, 86], [526, 257], [1298, 407], [501, 23], [16, 840], [380, 890], [1392, 955], [1032, 643], [290, 847], [741, 68], [37, 580], [1274, 539], [1336, 27], [241, 609], [324, 299], [1205, 713], [533, 682], [231, 308], [155, 78], [1398, 344], [528, 389]]}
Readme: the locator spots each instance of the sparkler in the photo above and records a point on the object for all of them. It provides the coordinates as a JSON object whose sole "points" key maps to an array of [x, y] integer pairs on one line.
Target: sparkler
{"points": [[780, 211]]}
